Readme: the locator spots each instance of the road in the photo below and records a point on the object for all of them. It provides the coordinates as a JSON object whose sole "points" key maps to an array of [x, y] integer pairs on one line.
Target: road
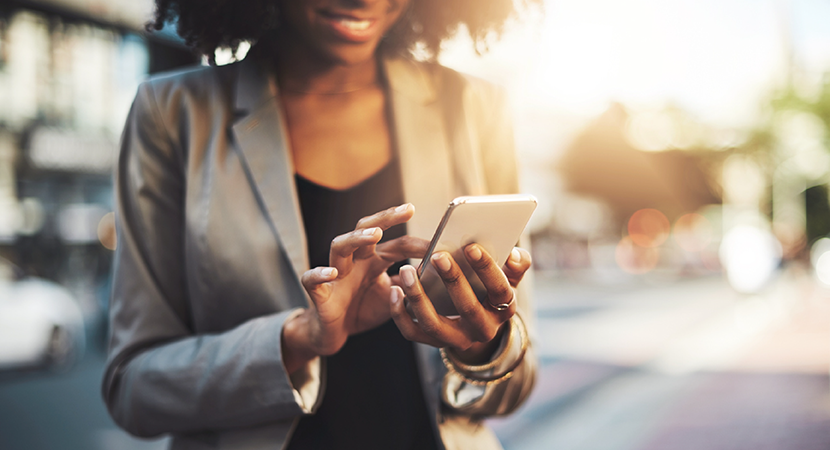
{"points": [[677, 365]]}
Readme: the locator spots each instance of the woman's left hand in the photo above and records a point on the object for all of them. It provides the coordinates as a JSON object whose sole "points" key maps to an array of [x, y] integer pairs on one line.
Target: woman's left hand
{"points": [[472, 336]]}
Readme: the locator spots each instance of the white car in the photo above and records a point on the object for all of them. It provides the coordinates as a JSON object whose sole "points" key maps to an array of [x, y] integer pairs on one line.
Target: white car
{"points": [[41, 325]]}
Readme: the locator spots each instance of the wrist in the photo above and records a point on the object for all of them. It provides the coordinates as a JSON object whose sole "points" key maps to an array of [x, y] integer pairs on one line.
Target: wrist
{"points": [[297, 350], [509, 357], [482, 352]]}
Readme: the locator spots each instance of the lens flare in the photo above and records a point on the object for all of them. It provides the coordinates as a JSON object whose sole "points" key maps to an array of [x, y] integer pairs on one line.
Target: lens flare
{"points": [[648, 228]]}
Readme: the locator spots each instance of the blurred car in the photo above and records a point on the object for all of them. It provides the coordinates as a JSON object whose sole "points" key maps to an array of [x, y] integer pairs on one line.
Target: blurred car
{"points": [[41, 325]]}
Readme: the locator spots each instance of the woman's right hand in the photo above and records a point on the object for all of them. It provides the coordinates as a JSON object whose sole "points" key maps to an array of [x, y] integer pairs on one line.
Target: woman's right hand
{"points": [[351, 295]]}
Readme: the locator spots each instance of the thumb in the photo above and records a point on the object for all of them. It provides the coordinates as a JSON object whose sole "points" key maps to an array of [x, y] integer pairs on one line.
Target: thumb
{"points": [[317, 283]]}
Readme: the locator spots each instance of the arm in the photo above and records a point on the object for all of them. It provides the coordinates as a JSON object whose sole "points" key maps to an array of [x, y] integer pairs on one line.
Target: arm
{"points": [[499, 398], [160, 376], [477, 381]]}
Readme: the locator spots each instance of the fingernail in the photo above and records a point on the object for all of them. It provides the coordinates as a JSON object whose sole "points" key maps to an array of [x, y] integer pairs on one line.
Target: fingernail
{"points": [[515, 255], [402, 208], [474, 252], [370, 231], [396, 295], [408, 275], [328, 271], [441, 261]]}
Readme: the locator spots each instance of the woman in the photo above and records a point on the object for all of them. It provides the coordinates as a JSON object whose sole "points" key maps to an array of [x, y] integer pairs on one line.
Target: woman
{"points": [[242, 286]]}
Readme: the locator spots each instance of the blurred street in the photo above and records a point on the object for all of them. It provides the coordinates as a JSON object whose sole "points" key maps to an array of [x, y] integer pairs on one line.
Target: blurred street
{"points": [[690, 365], [631, 365]]}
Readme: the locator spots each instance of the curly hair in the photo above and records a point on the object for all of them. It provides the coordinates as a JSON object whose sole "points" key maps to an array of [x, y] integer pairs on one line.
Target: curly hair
{"points": [[208, 25]]}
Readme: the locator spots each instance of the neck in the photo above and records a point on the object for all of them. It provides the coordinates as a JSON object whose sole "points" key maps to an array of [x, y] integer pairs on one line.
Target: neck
{"points": [[303, 70]]}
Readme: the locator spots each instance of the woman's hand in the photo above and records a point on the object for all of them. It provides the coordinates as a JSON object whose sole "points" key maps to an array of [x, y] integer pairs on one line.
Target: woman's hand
{"points": [[473, 336], [352, 294]]}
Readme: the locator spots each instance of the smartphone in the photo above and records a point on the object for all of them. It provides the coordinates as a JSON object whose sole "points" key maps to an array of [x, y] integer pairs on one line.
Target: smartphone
{"points": [[493, 221]]}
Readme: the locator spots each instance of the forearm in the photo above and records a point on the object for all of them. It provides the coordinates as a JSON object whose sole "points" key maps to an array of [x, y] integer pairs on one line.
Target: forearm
{"points": [[226, 380], [503, 396]]}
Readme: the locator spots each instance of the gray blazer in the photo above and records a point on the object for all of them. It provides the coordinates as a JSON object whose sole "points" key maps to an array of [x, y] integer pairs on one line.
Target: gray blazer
{"points": [[211, 248]]}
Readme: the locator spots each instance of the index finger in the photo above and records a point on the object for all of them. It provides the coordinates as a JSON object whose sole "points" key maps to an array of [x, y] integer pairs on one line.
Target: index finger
{"points": [[474, 315], [388, 217], [430, 322], [343, 247], [384, 220]]}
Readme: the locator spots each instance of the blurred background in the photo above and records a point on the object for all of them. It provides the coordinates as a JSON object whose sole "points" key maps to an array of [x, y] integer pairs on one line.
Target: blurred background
{"points": [[680, 152]]}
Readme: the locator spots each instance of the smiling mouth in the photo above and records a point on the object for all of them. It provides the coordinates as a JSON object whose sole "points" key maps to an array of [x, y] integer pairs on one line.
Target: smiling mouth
{"points": [[349, 27], [353, 24]]}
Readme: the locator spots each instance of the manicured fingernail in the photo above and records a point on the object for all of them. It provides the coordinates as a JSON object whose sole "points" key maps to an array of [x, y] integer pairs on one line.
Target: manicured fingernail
{"points": [[396, 295], [370, 231], [402, 208], [441, 261], [515, 255], [328, 271], [474, 252], [408, 275]]}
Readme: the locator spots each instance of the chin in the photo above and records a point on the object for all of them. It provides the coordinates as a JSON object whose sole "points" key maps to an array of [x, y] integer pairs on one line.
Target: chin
{"points": [[349, 55]]}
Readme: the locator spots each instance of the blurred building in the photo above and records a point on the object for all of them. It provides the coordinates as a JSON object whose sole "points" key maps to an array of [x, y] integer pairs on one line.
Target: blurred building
{"points": [[602, 163], [69, 70], [634, 206]]}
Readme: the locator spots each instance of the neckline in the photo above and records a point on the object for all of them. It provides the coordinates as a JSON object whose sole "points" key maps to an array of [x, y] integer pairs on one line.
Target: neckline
{"points": [[377, 174]]}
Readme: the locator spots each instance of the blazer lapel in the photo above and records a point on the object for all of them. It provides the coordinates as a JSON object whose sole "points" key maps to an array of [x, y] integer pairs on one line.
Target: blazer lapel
{"points": [[262, 140], [420, 131]]}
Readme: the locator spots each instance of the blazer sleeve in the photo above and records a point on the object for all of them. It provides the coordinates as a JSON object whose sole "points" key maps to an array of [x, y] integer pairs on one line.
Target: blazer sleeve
{"points": [[162, 377], [500, 174]]}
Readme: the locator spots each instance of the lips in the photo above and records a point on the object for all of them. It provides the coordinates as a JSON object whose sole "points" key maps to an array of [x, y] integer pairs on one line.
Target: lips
{"points": [[349, 27]]}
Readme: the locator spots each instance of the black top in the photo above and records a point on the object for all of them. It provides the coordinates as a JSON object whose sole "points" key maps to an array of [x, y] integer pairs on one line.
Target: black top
{"points": [[373, 397]]}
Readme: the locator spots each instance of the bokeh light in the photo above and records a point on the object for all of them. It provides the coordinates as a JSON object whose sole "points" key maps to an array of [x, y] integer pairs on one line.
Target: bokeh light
{"points": [[693, 232], [635, 259], [648, 228], [106, 231], [820, 257], [750, 256]]}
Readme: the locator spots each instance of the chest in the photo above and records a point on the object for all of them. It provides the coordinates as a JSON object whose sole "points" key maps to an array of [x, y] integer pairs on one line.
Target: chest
{"points": [[338, 141]]}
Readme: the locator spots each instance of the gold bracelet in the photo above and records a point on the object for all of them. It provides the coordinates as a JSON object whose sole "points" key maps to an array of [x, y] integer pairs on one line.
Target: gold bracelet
{"points": [[483, 381], [473, 381]]}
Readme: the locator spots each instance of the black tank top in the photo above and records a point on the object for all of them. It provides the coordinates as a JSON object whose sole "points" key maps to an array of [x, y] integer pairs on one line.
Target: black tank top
{"points": [[373, 397]]}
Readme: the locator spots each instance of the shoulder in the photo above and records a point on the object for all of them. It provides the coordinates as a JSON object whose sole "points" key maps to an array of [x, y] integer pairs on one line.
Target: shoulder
{"points": [[432, 81], [475, 88], [194, 87], [178, 104]]}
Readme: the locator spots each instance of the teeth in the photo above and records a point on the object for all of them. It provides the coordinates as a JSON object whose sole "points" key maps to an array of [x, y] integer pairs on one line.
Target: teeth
{"points": [[356, 25]]}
